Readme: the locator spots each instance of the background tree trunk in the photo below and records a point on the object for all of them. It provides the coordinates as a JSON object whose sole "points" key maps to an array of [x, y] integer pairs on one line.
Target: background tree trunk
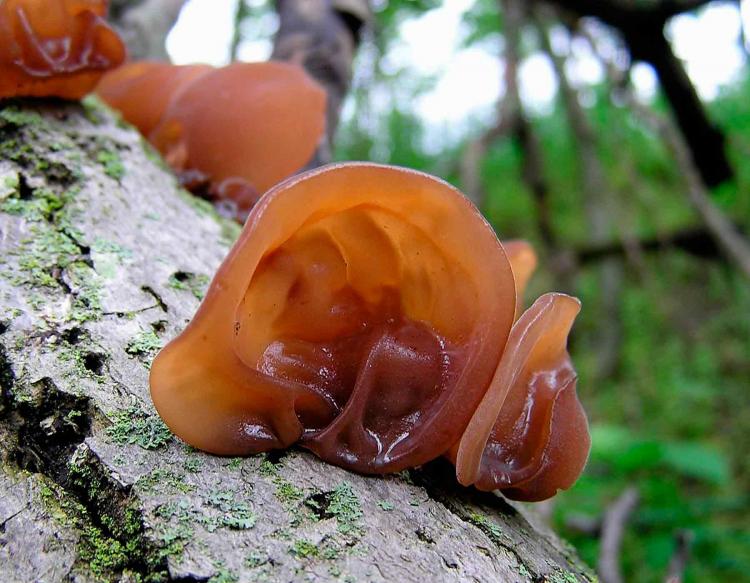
{"points": [[104, 260], [144, 25], [322, 36]]}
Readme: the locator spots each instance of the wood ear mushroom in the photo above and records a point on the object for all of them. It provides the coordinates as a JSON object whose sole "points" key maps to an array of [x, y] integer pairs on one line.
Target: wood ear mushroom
{"points": [[367, 313], [232, 132], [55, 48]]}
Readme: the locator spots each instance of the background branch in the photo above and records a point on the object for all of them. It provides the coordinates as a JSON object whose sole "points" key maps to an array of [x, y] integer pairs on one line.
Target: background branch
{"points": [[613, 528]]}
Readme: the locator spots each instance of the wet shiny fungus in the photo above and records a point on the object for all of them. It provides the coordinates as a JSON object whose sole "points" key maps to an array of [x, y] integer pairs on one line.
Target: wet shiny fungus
{"points": [[368, 313]]}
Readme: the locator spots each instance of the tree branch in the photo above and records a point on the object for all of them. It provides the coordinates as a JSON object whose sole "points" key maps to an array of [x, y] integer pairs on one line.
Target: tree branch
{"points": [[722, 229], [613, 528], [642, 27], [697, 241], [681, 556]]}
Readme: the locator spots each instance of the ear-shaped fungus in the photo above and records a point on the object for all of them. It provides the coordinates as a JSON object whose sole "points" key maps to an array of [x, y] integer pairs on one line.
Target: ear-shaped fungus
{"points": [[142, 90], [55, 48], [529, 436], [523, 261], [243, 128], [364, 312]]}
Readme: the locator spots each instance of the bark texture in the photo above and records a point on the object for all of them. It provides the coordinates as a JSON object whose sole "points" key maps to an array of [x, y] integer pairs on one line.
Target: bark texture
{"points": [[144, 25], [322, 36], [104, 259]]}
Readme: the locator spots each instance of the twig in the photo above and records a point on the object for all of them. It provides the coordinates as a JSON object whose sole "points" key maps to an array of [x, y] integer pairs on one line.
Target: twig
{"points": [[728, 238], [734, 245], [613, 528], [683, 541]]}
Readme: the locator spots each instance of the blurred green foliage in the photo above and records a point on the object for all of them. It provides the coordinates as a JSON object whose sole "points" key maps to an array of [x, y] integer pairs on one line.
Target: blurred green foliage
{"points": [[673, 418]]}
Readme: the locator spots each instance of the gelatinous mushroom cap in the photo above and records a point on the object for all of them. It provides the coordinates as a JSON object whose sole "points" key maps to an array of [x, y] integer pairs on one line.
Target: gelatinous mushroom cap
{"points": [[363, 311], [529, 436], [252, 122], [142, 90], [523, 261], [55, 48]]}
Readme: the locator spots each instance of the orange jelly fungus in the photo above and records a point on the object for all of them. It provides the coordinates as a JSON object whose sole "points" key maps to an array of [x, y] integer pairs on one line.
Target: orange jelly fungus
{"points": [[142, 90], [55, 48], [237, 130], [367, 313]]}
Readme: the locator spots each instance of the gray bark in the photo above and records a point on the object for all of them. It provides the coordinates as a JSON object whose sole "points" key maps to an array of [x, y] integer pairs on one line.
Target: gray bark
{"points": [[144, 25], [322, 36], [104, 259]]}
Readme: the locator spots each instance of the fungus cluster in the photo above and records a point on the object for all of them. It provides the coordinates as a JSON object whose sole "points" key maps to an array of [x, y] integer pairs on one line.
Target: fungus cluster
{"points": [[368, 313], [231, 132], [57, 48]]}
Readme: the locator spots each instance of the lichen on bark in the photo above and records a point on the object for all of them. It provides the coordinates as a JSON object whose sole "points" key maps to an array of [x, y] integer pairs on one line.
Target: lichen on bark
{"points": [[99, 268]]}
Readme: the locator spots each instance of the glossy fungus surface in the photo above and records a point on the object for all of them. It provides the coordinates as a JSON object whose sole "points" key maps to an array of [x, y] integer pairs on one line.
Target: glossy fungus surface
{"points": [[523, 261], [55, 48], [142, 90], [365, 313], [529, 435], [242, 128]]}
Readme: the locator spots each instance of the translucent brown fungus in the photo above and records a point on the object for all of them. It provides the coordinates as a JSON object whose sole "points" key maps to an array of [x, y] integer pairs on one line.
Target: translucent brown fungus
{"points": [[365, 313], [243, 128], [142, 90], [523, 261], [529, 436], [55, 48]]}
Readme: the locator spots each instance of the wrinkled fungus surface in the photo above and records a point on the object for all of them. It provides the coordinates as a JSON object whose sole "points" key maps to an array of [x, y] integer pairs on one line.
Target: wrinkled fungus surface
{"points": [[55, 48], [230, 133], [367, 313]]}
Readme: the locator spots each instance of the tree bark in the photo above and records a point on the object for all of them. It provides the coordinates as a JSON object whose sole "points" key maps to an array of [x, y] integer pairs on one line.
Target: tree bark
{"points": [[144, 25], [104, 260], [322, 36]]}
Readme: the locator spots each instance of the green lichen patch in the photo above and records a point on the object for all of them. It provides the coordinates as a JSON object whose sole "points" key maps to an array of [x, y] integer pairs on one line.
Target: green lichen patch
{"points": [[304, 549], [192, 464], [386, 506], [491, 529], [346, 508], [233, 514], [164, 480], [112, 164], [194, 283], [53, 257], [15, 117], [85, 363], [145, 344], [201, 205], [134, 427], [287, 493], [86, 287], [94, 110], [23, 140], [256, 560], [223, 574], [104, 246]]}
